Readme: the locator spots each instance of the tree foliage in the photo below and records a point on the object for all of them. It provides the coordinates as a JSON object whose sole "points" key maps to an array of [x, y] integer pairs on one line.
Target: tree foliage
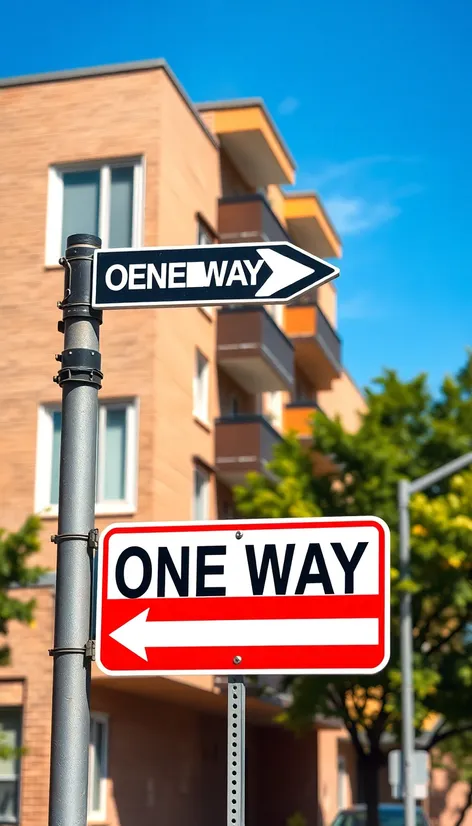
{"points": [[16, 550], [405, 432]]}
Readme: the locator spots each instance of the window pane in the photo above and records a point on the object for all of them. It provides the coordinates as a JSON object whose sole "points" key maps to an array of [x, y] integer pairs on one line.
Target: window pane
{"points": [[55, 458], [81, 203], [200, 393], [200, 495], [121, 207], [115, 454], [8, 801], [98, 766], [204, 236]]}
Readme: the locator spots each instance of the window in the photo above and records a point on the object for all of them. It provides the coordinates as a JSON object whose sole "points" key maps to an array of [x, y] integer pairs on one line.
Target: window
{"points": [[274, 408], [205, 237], [342, 781], [201, 387], [10, 739], [98, 753], [201, 481], [103, 199], [117, 458]]}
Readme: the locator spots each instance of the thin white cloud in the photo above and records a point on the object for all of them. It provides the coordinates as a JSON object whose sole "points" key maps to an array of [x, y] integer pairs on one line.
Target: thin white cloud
{"points": [[354, 169], [346, 169], [352, 216], [288, 106], [357, 308]]}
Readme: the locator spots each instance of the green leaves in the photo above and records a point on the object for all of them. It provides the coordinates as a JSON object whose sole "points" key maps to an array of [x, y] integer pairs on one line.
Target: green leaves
{"points": [[405, 433], [16, 550]]}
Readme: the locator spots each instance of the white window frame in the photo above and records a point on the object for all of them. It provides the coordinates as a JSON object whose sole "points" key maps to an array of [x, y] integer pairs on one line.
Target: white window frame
{"points": [[128, 505], [202, 230], [9, 778], [100, 813], [201, 381], [342, 776], [56, 202], [198, 470]]}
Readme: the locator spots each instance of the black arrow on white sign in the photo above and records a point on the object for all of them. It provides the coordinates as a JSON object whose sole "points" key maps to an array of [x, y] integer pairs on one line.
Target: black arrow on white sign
{"points": [[196, 276]]}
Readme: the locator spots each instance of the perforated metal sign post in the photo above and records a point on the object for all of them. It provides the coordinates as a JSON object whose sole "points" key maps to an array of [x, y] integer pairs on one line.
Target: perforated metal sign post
{"points": [[278, 597]]}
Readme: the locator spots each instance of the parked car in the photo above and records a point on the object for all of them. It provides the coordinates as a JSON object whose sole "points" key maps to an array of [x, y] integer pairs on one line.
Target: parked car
{"points": [[390, 814]]}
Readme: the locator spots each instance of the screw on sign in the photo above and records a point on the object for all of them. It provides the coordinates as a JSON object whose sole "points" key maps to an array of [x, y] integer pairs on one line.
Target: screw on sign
{"points": [[295, 596]]}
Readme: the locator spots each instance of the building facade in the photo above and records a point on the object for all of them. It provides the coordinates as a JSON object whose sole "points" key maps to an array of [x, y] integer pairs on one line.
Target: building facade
{"points": [[192, 400]]}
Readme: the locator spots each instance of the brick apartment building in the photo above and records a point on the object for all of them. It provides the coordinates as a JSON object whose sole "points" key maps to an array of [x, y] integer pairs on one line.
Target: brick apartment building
{"points": [[192, 400]]}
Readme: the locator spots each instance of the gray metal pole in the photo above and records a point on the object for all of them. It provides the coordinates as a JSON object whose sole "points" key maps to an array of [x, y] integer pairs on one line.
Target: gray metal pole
{"points": [[406, 652], [79, 377], [236, 750]]}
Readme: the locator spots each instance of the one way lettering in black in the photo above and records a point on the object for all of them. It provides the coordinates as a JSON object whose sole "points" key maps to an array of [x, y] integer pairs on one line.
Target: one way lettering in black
{"points": [[269, 557], [314, 557]]}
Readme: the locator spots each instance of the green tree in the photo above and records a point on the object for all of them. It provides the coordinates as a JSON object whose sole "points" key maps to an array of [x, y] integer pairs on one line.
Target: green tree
{"points": [[16, 549], [405, 432], [454, 755]]}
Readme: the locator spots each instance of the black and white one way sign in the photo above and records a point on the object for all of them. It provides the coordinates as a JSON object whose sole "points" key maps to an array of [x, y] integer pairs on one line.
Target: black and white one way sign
{"points": [[203, 275]]}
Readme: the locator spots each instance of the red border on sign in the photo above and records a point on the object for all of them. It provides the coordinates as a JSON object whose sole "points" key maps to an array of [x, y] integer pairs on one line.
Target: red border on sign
{"points": [[113, 658]]}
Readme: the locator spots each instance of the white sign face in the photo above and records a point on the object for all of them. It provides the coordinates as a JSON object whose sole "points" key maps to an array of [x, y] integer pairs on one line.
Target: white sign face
{"points": [[420, 774], [295, 596]]}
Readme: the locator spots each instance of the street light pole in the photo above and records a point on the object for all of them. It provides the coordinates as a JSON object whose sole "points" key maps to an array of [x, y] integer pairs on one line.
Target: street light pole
{"points": [[406, 656], [405, 490]]}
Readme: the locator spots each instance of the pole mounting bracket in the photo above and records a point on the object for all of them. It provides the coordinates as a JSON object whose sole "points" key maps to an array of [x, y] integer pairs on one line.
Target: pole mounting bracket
{"points": [[79, 365], [91, 538], [88, 650]]}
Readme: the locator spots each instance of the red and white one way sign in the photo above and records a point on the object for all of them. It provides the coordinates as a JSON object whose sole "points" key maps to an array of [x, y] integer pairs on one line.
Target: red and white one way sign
{"points": [[290, 596]]}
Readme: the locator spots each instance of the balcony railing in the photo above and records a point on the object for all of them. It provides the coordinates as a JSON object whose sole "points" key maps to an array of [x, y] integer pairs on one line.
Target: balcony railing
{"points": [[243, 443], [317, 345], [253, 349], [328, 336], [298, 416], [248, 218]]}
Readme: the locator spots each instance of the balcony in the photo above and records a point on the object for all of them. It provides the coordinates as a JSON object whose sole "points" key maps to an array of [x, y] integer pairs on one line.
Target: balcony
{"points": [[248, 218], [253, 350], [243, 444], [310, 226], [317, 345], [298, 417], [250, 138]]}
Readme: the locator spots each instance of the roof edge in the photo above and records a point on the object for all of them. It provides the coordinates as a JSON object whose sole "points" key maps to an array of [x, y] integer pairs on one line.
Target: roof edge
{"points": [[246, 103], [310, 193], [112, 69]]}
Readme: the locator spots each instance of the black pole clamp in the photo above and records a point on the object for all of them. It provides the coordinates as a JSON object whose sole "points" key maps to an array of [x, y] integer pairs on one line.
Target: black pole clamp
{"points": [[88, 650], [91, 538], [80, 365]]}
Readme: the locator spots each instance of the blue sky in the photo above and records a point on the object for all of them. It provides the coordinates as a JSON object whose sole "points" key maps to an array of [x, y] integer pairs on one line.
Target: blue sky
{"points": [[374, 100]]}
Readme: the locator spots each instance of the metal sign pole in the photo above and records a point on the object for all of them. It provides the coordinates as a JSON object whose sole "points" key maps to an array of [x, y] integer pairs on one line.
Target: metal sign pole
{"points": [[79, 377], [236, 750]]}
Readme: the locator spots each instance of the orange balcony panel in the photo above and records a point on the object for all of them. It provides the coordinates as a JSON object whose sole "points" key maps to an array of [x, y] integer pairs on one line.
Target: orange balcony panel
{"points": [[317, 346], [250, 138], [298, 416], [310, 226]]}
